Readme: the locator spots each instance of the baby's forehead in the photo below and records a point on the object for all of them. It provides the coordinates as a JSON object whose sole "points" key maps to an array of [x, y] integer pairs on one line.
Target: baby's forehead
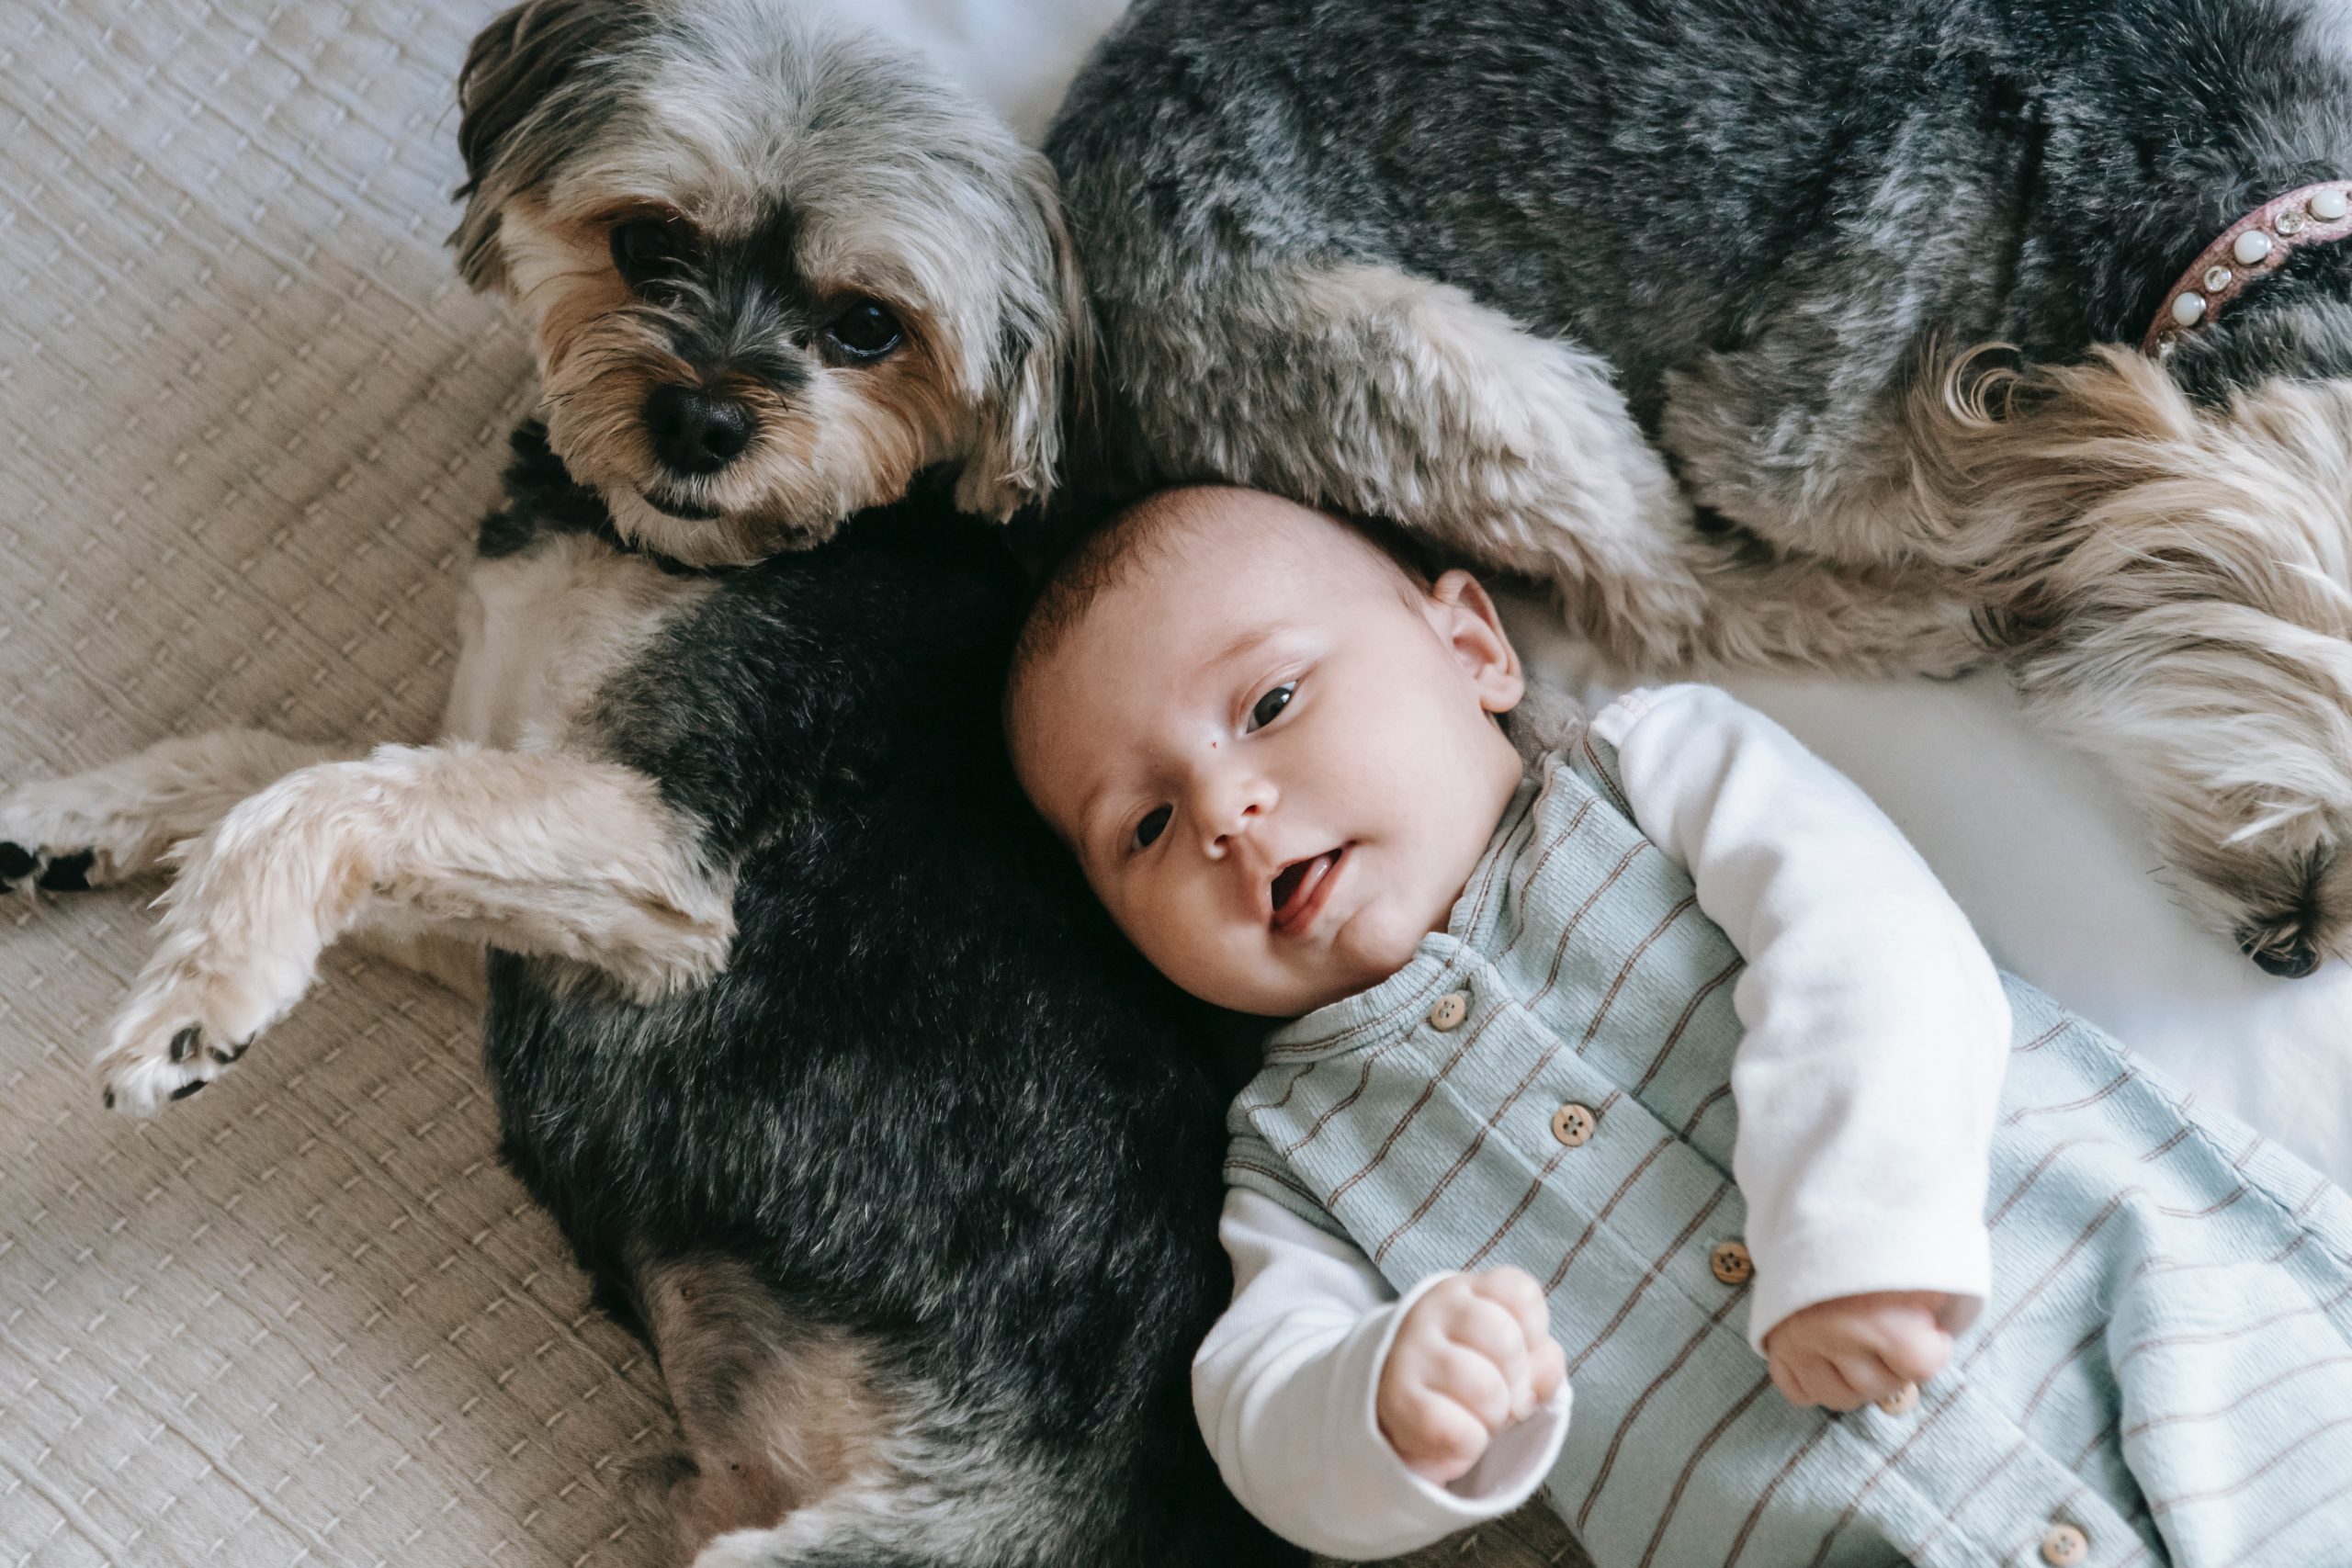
{"points": [[1184, 575], [1213, 516], [1234, 537], [1239, 571]]}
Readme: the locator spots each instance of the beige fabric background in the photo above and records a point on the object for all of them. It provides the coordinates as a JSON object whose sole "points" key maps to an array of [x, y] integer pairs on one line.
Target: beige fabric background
{"points": [[247, 418]]}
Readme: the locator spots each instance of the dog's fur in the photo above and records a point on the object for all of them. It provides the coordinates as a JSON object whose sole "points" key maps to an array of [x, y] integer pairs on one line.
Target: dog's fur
{"points": [[807, 1033], [1572, 286]]}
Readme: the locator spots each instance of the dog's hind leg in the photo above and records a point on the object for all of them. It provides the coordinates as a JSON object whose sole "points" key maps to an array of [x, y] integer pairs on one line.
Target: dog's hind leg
{"points": [[541, 853], [1374, 391], [774, 1413], [960, 1509], [116, 822]]}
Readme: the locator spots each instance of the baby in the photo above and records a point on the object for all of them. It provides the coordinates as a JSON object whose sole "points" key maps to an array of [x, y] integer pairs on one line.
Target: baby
{"points": [[1645, 1056]]}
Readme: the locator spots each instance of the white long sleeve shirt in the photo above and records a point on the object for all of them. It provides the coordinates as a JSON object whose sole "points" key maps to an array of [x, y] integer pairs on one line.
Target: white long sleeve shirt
{"points": [[1876, 1035]]}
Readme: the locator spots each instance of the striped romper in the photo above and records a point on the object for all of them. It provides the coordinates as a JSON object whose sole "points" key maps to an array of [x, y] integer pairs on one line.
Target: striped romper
{"points": [[2163, 1372]]}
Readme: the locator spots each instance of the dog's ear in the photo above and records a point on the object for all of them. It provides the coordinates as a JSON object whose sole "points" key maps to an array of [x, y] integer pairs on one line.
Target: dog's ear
{"points": [[517, 114], [1039, 403]]}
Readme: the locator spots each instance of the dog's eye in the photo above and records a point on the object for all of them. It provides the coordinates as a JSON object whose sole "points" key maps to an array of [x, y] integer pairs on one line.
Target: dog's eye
{"points": [[646, 249], [863, 332]]}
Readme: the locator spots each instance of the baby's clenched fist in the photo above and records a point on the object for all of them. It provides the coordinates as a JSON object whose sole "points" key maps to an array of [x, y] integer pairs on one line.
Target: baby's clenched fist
{"points": [[1471, 1358], [1859, 1349]]}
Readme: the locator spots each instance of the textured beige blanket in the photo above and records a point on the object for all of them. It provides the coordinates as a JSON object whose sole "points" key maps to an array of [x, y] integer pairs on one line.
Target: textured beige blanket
{"points": [[247, 418]]}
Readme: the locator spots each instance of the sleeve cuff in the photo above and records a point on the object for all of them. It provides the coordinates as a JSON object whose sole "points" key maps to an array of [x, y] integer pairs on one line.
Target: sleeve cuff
{"points": [[1412, 1511], [1616, 721], [1954, 1259]]}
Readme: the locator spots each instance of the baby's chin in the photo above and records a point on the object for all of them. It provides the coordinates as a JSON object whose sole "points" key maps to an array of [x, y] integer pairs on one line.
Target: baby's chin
{"points": [[1376, 944], [1295, 990], [1375, 950]]}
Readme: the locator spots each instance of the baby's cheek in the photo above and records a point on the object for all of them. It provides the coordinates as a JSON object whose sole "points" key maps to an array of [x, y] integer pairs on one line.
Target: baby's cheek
{"points": [[1147, 924], [1208, 959]]}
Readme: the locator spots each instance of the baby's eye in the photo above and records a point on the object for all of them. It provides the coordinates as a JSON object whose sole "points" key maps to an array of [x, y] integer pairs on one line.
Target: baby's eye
{"points": [[1270, 704], [1154, 823]]}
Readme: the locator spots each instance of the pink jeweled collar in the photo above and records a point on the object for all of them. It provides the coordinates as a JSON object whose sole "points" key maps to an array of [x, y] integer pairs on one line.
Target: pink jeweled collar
{"points": [[2254, 245]]}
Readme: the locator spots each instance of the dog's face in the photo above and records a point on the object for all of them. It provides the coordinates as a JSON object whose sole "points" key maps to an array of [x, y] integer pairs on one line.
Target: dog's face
{"points": [[772, 269]]}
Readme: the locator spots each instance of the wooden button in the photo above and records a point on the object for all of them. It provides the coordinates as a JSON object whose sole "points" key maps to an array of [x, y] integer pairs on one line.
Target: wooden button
{"points": [[1451, 1010], [1573, 1124], [1903, 1401], [2065, 1546], [1730, 1263]]}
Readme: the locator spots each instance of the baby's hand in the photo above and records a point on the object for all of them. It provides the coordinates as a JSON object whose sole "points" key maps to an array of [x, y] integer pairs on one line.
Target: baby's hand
{"points": [[1859, 1349], [1471, 1358]]}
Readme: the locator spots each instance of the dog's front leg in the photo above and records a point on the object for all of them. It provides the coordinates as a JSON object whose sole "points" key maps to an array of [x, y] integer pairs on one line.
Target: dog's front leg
{"points": [[116, 822], [549, 854], [1378, 392]]}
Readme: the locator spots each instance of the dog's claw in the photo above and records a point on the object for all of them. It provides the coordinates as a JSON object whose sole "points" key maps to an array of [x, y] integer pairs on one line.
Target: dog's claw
{"points": [[57, 872], [68, 874], [188, 1021]]}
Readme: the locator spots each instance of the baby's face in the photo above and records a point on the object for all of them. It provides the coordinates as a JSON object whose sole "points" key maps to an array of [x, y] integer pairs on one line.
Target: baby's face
{"points": [[1273, 752]]}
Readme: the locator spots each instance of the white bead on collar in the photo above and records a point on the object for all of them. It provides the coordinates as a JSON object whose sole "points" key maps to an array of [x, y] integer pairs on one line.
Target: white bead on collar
{"points": [[2256, 243]]}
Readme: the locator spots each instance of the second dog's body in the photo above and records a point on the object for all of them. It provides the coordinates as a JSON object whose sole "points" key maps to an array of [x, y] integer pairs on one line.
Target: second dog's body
{"points": [[1535, 278]]}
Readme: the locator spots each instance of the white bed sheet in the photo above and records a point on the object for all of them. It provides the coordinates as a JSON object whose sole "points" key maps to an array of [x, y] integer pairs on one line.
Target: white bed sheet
{"points": [[247, 419]]}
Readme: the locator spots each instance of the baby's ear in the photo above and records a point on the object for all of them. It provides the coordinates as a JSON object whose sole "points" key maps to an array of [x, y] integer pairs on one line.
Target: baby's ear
{"points": [[1465, 617]]}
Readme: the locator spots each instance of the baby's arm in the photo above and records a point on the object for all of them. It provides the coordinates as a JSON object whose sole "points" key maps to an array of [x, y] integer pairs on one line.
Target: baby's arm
{"points": [[1877, 1035], [1294, 1377]]}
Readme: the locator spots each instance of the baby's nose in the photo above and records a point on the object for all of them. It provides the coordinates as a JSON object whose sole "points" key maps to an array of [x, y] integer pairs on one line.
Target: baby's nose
{"points": [[1232, 826], [1238, 812]]}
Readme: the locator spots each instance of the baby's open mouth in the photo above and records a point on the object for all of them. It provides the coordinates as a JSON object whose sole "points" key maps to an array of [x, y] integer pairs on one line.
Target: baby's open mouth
{"points": [[1300, 888]]}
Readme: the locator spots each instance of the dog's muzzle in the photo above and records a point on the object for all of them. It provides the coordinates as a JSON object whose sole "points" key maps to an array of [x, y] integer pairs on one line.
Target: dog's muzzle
{"points": [[695, 433]]}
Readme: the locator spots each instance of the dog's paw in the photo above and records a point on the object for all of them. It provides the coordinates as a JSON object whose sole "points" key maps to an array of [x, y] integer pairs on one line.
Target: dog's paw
{"points": [[2284, 896], [55, 871], [184, 1028], [51, 839], [2289, 935], [652, 949]]}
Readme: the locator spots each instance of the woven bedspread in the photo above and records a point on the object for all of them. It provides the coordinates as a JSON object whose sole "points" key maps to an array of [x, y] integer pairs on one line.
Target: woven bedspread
{"points": [[248, 419]]}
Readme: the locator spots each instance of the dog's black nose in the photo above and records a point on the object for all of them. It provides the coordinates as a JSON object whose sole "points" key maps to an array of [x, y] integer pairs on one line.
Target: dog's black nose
{"points": [[695, 432]]}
